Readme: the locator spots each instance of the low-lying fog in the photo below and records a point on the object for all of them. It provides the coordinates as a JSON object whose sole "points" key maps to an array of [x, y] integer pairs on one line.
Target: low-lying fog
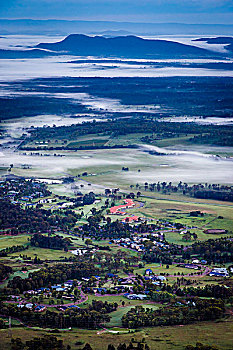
{"points": [[23, 69], [173, 165], [16, 127]]}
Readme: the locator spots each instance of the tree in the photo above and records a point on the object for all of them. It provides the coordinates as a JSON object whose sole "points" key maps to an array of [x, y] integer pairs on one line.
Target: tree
{"points": [[88, 241], [87, 347], [111, 347]]}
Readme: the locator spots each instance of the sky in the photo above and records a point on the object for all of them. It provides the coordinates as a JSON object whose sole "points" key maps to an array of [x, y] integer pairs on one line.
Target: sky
{"points": [[182, 11]]}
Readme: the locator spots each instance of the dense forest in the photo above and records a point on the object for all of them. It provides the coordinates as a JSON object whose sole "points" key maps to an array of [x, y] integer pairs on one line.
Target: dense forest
{"points": [[175, 96]]}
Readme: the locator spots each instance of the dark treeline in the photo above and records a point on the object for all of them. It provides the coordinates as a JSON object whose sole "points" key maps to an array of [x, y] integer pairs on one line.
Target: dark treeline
{"points": [[210, 290], [50, 275], [30, 220], [196, 310], [213, 250], [51, 242], [205, 191], [5, 271], [50, 342], [220, 138], [217, 195], [88, 318], [47, 342]]}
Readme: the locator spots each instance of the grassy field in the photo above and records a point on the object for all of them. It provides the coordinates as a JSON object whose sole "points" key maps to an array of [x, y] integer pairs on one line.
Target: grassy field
{"points": [[158, 338], [9, 241], [117, 315]]}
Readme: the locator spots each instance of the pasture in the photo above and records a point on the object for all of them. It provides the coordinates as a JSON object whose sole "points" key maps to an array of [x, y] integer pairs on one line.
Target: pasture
{"points": [[158, 338]]}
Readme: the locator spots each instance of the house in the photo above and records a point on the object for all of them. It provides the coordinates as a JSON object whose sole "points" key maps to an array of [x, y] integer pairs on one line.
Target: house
{"points": [[136, 296], [219, 272], [156, 283], [100, 290], [161, 278], [111, 275], [195, 261], [191, 266], [28, 306], [131, 218], [40, 308], [203, 262], [215, 231]]}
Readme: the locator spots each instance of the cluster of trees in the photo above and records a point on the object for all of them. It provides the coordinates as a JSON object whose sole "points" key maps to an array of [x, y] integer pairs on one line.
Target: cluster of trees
{"points": [[212, 194], [214, 250], [163, 296], [50, 342], [51, 242], [221, 137], [200, 346], [47, 342], [19, 188], [133, 345], [194, 310], [115, 229], [88, 318], [157, 255], [53, 274], [206, 191], [209, 290], [103, 307], [112, 229], [31, 220], [5, 271], [88, 198], [14, 249]]}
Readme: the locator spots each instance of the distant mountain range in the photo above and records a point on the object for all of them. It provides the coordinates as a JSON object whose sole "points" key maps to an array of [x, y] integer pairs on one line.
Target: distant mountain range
{"points": [[124, 46], [128, 46], [64, 27]]}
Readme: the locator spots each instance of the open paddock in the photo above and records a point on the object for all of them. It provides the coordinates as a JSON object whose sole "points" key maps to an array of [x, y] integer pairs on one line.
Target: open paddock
{"points": [[158, 338]]}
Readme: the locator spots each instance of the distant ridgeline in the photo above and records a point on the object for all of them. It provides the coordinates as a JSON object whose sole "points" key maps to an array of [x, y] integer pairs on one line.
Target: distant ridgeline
{"points": [[120, 46], [123, 46]]}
